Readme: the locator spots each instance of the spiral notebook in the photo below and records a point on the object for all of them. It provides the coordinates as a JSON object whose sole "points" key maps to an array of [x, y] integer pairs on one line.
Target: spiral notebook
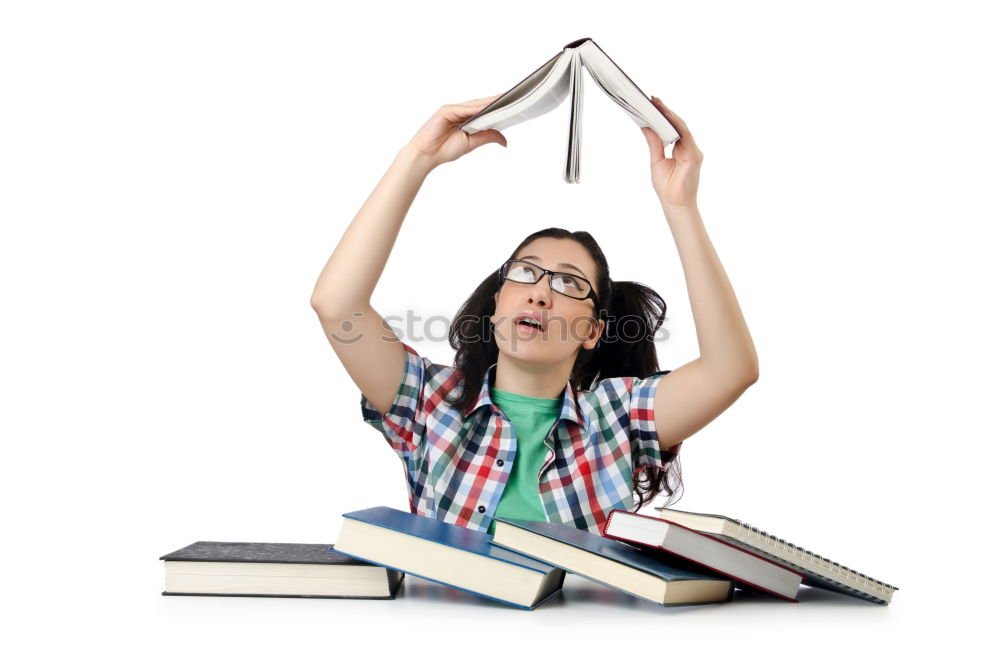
{"points": [[816, 570]]}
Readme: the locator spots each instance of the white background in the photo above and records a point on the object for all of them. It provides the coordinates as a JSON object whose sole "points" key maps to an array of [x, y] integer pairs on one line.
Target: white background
{"points": [[176, 174]]}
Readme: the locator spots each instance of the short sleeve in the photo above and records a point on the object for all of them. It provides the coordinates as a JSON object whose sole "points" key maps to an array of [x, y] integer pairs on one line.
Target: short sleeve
{"points": [[403, 425], [642, 421], [626, 406]]}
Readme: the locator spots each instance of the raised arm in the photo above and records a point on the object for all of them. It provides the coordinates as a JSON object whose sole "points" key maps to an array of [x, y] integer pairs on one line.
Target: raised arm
{"points": [[366, 345], [694, 394]]}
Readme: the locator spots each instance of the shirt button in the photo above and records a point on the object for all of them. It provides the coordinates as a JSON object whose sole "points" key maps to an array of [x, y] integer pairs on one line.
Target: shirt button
{"points": [[481, 509], [499, 463]]}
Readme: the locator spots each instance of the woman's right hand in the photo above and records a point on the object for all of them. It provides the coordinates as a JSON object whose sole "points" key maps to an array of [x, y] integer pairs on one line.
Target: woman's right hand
{"points": [[440, 139]]}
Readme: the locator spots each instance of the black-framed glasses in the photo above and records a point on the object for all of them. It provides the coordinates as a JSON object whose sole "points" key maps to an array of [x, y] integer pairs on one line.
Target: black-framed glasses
{"points": [[570, 285]]}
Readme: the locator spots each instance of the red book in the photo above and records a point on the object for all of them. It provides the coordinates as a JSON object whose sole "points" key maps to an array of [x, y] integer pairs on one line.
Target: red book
{"points": [[748, 569]]}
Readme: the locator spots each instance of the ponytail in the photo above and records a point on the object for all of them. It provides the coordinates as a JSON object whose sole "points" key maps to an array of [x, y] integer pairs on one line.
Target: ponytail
{"points": [[626, 349]]}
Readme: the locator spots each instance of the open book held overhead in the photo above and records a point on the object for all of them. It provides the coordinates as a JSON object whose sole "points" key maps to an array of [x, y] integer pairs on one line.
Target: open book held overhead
{"points": [[548, 85]]}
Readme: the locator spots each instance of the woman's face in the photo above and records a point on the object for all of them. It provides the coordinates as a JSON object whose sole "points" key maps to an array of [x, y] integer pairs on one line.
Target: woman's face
{"points": [[568, 324]]}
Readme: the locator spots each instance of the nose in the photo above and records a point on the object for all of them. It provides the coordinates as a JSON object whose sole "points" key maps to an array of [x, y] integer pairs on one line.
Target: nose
{"points": [[541, 292]]}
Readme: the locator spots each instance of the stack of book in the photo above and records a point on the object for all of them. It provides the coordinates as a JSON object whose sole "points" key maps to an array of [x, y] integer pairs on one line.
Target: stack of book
{"points": [[678, 558], [674, 559]]}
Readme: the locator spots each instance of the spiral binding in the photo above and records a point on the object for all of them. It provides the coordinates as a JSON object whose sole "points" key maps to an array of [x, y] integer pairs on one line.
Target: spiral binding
{"points": [[806, 560]]}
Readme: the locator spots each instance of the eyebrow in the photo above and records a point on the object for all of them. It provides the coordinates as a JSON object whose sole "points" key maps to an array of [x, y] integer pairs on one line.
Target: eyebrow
{"points": [[561, 265]]}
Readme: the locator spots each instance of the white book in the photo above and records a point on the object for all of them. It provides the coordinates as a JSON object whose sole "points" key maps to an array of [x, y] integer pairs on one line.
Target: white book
{"points": [[562, 75], [748, 568], [816, 570]]}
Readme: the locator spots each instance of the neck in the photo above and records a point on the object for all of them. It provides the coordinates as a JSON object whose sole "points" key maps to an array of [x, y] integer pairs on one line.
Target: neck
{"points": [[532, 378]]}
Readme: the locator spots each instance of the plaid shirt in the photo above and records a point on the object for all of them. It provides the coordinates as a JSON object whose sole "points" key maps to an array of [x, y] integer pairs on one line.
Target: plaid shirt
{"points": [[457, 464]]}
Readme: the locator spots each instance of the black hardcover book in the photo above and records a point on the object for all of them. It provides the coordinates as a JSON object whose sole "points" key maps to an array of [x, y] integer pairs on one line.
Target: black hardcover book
{"points": [[267, 570]]}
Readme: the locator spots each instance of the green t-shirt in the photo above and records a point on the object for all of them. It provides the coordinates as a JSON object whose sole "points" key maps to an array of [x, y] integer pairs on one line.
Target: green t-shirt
{"points": [[532, 419]]}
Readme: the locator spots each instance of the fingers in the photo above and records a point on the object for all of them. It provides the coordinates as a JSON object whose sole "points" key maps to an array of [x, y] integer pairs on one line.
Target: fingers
{"points": [[676, 121], [481, 138], [679, 124], [455, 112], [655, 145], [481, 102]]}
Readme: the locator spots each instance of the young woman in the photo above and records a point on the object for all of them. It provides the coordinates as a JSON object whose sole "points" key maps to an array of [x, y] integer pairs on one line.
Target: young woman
{"points": [[555, 409]]}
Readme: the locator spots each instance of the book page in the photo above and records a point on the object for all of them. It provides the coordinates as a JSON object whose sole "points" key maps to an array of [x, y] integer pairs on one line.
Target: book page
{"points": [[572, 173]]}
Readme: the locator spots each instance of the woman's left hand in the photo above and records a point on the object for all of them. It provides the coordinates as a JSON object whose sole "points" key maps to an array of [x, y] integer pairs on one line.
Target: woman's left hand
{"points": [[675, 179]]}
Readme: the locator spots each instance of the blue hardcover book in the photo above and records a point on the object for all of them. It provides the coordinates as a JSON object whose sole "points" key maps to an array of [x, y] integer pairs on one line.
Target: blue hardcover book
{"points": [[612, 563], [447, 554]]}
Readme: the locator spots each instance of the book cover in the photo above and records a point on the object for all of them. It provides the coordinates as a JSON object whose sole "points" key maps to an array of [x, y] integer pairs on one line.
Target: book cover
{"points": [[211, 551], [260, 552], [816, 570], [708, 555], [469, 541], [622, 553]]}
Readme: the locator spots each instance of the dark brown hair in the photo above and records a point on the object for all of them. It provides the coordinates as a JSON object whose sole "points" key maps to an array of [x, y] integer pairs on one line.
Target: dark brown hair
{"points": [[619, 353]]}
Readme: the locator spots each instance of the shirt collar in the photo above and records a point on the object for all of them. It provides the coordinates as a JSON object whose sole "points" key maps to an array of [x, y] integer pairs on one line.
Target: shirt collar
{"points": [[570, 407]]}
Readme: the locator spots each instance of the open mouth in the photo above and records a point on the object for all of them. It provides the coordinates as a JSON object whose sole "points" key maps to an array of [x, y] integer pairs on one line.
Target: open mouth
{"points": [[530, 324]]}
